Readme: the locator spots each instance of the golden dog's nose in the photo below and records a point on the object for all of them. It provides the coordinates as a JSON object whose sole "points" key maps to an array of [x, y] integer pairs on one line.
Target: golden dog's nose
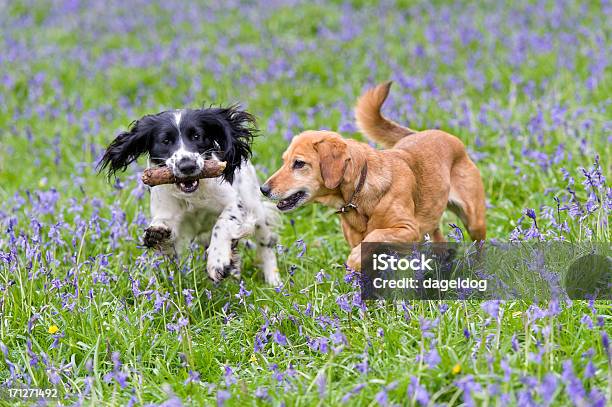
{"points": [[265, 189]]}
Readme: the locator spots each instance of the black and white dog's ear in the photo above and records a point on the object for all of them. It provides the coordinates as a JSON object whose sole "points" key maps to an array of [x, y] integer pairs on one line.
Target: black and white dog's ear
{"points": [[125, 148], [239, 128]]}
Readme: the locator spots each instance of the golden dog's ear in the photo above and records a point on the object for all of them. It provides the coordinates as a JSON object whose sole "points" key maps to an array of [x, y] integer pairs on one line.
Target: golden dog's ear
{"points": [[333, 160]]}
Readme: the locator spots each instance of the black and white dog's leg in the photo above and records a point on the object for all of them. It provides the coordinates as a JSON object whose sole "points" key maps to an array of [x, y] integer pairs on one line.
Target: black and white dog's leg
{"points": [[166, 214], [266, 243], [236, 260], [232, 224], [266, 253]]}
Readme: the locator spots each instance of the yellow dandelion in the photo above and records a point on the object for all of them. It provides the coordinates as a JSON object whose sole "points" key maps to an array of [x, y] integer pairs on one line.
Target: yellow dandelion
{"points": [[456, 369], [253, 358], [53, 329]]}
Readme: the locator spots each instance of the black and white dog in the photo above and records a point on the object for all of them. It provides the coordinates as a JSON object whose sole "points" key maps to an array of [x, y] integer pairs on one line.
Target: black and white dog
{"points": [[216, 211]]}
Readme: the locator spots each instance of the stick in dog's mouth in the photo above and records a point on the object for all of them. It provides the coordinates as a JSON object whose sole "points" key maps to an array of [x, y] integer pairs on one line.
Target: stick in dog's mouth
{"points": [[292, 201], [164, 175]]}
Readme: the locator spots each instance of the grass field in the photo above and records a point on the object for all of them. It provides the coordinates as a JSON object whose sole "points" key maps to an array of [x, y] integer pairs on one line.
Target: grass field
{"points": [[88, 311]]}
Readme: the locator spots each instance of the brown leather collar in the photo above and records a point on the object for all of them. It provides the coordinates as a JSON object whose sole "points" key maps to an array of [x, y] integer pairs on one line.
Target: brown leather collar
{"points": [[351, 203]]}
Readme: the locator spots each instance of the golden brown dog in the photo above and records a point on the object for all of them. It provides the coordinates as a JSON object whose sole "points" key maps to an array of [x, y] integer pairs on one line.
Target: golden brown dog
{"points": [[392, 195]]}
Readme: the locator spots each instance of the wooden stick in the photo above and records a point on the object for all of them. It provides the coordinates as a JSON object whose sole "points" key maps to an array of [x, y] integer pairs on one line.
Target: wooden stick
{"points": [[163, 175]]}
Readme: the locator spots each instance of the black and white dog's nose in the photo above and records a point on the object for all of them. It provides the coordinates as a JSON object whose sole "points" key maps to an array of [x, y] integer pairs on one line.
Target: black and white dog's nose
{"points": [[187, 166]]}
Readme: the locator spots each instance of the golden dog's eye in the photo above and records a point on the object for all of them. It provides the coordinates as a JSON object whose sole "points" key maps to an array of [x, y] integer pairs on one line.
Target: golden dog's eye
{"points": [[297, 164]]}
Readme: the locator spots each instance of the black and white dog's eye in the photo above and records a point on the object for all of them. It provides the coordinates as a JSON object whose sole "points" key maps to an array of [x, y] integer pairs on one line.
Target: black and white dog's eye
{"points": [[166, 141], [193, 134], [297, 164]]}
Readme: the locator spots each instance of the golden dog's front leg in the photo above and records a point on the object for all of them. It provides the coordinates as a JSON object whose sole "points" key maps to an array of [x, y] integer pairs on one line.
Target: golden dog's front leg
{"points": [[352, 235], [354, 238], [354, 259]]}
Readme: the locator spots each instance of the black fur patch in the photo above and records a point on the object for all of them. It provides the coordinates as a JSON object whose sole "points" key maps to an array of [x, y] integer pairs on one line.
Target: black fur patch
{"points": [[226, 131]]}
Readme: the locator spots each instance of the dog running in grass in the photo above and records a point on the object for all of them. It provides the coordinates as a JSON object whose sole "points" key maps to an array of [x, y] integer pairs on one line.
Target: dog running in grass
{"points": [[217, 212], [397, 194]]}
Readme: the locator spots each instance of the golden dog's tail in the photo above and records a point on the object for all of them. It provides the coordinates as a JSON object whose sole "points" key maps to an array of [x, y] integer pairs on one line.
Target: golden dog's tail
{"points": [[372, 123]]}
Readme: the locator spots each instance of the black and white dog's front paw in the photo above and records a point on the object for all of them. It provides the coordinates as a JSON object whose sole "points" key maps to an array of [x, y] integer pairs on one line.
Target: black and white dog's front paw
{"points": [[157, 237], [218, 268]]}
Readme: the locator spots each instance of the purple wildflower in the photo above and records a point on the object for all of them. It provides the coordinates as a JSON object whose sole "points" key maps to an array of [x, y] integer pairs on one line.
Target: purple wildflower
{"points": [[355, 390], [506, 369], [589, 370], [319, 344], [382, 398], [279, 338], [193, 377], [56, 339], [302, 246], [530, 213], [432, 358], [188, 295], [228, 375], [492, 308], [338, 338], [321, 276], [547, 388], [242, 293], [117, 373], [427, 325], [443, 308], [173, 401], [515, 343], [322, 384], [586, 320], [343, 303], [33, 356], [12, 367], [262, 393], [417, 392], [222, 397], [469, 387], [362, 367], [605, 342], [575, 389], [276, 373], [456, 233]]}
